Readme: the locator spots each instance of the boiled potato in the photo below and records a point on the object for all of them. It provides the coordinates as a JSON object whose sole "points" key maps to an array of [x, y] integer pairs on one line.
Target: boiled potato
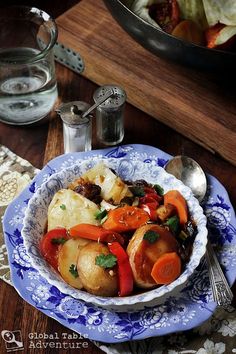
{"points": [[68, 257], [96, 280], [143, 255], [112, 187], [69, 208]]}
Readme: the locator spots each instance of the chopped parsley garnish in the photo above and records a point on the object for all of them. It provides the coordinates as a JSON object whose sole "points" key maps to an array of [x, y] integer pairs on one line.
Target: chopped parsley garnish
{"points": [[58, 241], [73, 270], [101, 215], [63, 207], [173, 224], [151, 236], [158, 189], [106, 260], [137, 191]]}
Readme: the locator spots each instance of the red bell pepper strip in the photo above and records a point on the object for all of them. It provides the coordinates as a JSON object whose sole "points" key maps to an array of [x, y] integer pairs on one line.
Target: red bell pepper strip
{"points": [[152, 212], [150, 203], [125, 273], [50, 243], [150, 191]]}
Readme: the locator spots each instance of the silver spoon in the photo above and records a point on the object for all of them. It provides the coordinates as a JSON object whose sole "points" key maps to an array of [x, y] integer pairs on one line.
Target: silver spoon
{"points": [[192, 175], [102, 99], [75, 109]]}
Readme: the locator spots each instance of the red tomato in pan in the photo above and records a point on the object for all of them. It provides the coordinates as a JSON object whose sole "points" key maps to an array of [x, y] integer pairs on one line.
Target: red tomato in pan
{"points": [[166, 14], [50, 243]]}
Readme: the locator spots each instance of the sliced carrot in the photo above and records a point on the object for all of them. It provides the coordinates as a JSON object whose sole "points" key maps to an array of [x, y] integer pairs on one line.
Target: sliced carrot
{"points": [[95, 233], [125, 218], [175, 198], [167, 268]]}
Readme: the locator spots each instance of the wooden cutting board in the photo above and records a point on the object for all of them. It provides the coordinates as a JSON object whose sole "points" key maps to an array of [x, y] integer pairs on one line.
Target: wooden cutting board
{"points": [[200, 107]]}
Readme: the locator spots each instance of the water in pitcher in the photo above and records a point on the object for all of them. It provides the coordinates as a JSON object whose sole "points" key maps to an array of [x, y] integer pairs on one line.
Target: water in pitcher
{"points": [[30, 91]]}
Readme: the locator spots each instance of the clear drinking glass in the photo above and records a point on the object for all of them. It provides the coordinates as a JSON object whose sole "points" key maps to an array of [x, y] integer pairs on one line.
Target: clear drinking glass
{"points": [[28, 88]]}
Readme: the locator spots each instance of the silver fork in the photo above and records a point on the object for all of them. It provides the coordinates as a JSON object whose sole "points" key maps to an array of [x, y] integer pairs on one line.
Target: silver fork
{"points": [[222, 293]]}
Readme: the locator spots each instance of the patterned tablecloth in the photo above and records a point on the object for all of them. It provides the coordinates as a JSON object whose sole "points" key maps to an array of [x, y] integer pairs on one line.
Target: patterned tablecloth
{"points": [[215, 336]]}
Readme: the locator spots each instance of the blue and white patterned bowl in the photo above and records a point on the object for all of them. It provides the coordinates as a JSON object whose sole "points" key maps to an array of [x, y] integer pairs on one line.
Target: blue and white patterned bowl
{"points": [[36, 218]]}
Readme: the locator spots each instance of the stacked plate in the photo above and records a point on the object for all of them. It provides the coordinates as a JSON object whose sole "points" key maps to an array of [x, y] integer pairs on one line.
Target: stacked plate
{"points": [[184, 304]]}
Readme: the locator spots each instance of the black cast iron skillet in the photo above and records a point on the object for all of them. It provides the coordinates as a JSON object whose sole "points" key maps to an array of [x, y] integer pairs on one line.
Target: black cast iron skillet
{"points": [[169, 47]]}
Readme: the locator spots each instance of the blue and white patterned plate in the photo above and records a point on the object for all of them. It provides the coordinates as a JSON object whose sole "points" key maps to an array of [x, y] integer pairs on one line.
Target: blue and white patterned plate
{"points": [[185, 309]]}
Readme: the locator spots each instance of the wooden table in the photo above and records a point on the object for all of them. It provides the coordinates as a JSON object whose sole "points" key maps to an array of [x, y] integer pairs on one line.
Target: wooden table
{"points": [[35, 144]]}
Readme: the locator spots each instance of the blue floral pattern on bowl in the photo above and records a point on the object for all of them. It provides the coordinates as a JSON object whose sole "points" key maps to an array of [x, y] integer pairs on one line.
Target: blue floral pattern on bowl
{"points": [[184, 309], [36, 217]]}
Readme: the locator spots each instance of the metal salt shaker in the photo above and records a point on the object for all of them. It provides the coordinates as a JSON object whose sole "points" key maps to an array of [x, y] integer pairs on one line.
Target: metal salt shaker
{"points": [[110, 115], [77, 130]]}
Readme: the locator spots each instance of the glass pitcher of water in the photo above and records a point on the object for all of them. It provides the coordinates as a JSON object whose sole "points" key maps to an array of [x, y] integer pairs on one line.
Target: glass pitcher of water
{"points": [[28, 88]]}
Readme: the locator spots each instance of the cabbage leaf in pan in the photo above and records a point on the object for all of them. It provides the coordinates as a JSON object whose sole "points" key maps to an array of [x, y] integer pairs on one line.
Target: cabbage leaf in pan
{"points": [[205, 13]]}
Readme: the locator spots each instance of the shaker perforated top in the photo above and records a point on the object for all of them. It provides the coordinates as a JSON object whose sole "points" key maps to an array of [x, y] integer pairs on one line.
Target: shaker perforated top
{"points": [[115, 101], [71, 112]]}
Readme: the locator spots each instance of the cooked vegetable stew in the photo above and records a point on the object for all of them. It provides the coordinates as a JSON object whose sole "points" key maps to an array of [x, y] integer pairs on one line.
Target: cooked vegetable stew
{"points": [[112, 237]]}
